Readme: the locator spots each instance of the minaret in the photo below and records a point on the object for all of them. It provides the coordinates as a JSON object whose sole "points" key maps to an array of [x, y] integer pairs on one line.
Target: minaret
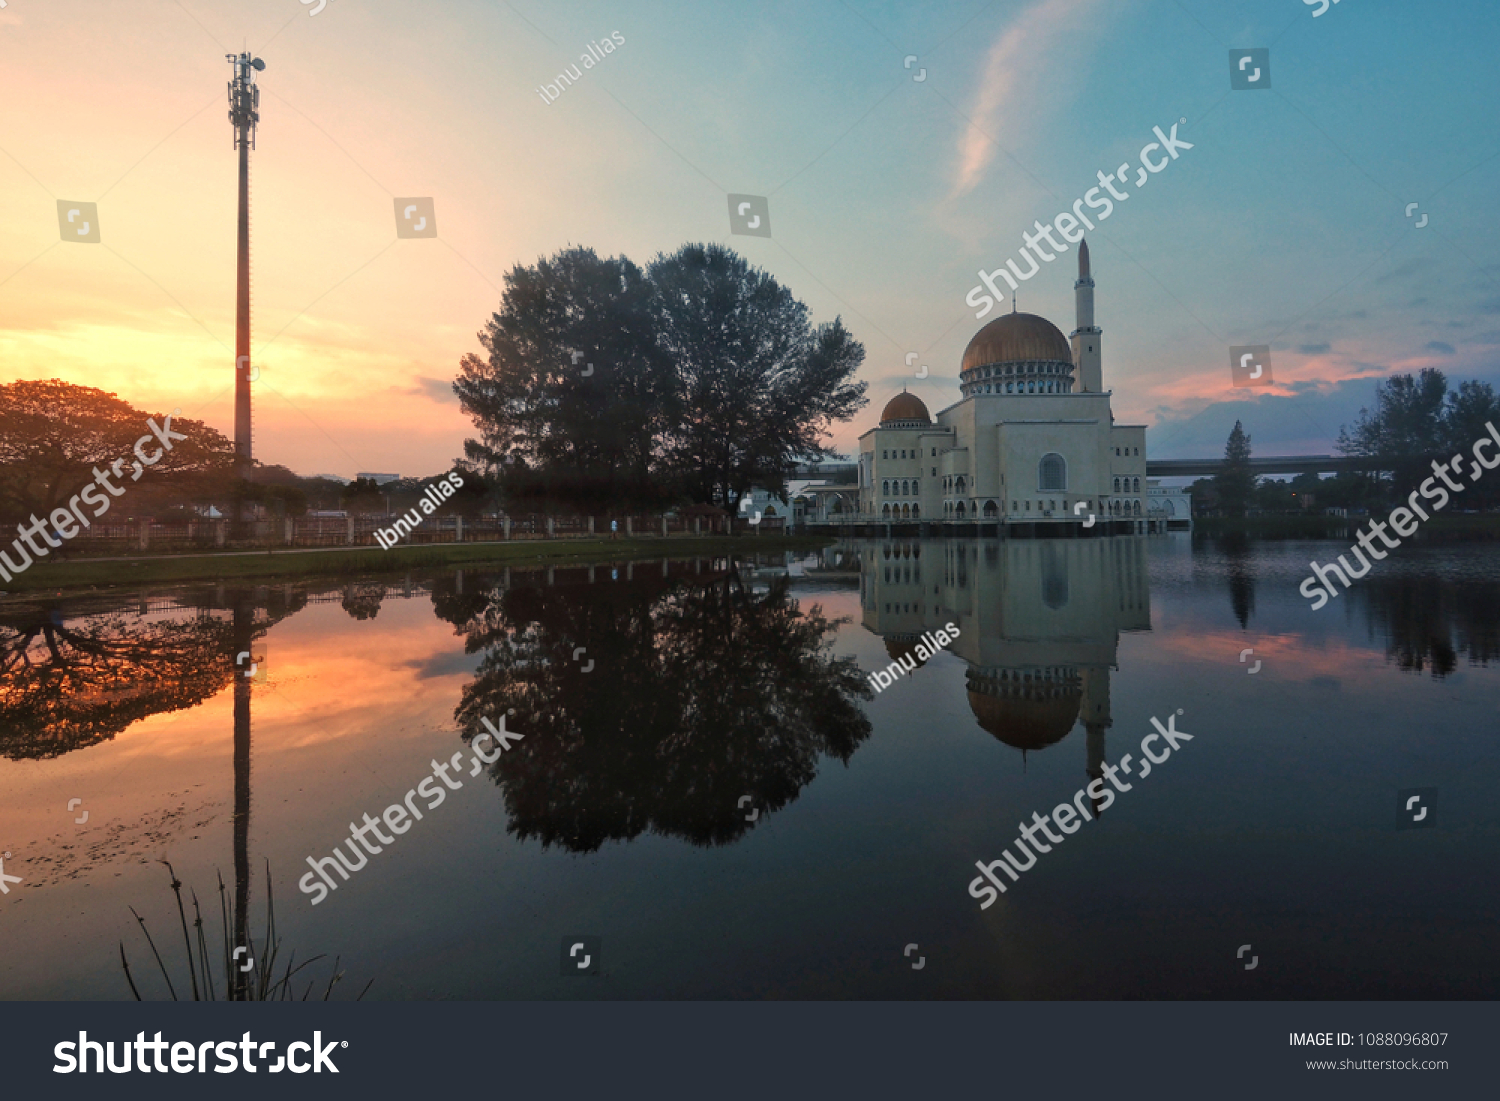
{"points": [[1087, 338]]}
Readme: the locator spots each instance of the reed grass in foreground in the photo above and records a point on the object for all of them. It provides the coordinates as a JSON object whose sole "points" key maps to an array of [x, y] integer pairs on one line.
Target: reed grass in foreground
{"points": [[259, 983]]}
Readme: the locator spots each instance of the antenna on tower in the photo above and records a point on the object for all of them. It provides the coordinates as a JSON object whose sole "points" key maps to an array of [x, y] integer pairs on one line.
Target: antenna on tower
{"points": [[244, 97]]}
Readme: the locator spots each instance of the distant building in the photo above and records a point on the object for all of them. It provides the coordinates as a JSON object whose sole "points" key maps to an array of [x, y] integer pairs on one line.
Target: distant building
{"points": [[380, 479], [1172, 504]]}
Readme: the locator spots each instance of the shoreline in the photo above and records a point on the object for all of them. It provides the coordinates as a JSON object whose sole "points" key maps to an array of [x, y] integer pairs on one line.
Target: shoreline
{"points": [[127, 571]]}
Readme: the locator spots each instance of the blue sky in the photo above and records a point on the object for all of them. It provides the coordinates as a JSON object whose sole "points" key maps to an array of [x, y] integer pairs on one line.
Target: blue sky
{"points": [[1284, 225]]}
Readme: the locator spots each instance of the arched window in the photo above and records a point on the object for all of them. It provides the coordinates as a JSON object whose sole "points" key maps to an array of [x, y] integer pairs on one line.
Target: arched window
{"points": [[1117, 485], [1137, 508], [885, 488], [960, 483], [886, 512], [960, 510], [1137, 486], [990, 510], [916, 512], [1052, 473]]}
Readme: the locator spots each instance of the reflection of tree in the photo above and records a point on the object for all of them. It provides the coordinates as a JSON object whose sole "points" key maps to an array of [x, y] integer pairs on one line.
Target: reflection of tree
{"points": [[362, 599], [67, 684], [1235, 546], [702, 692], [1427, 622]]}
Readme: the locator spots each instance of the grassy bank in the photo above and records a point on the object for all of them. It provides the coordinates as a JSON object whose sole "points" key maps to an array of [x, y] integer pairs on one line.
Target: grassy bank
{"points": [[125, 571]]}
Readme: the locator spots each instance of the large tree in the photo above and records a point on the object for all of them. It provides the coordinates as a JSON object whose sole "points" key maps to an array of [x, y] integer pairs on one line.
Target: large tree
{"points": [[570, 396], [1235, 481], [1405, 431], [756, 386], [52, 435]]}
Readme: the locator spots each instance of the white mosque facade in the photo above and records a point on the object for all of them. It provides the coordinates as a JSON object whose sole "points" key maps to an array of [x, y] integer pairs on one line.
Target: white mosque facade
{"points": [[1033, 440]]}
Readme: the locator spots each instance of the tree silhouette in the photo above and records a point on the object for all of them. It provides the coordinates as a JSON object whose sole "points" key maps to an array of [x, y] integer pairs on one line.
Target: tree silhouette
{"points": [[573, 389], [756, 386], [52, 435], [1235, 482]]}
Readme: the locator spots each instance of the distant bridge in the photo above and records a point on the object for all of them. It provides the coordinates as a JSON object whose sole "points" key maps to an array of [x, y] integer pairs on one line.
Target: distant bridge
{"points": [[1278, 464]]}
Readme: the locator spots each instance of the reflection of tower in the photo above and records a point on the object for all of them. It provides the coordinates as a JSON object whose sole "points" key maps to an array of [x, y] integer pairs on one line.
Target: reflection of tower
{"points": [[244, 101], [243, 634], [1096, 720]]}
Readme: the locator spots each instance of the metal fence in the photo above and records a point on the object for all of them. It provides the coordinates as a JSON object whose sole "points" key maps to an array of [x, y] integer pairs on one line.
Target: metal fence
{"points": [[359, 531]]}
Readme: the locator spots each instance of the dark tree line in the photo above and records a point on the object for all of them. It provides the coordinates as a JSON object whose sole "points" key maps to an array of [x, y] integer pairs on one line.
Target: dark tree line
{"points": [[1416, 419], [605, 386], [53, 434]]}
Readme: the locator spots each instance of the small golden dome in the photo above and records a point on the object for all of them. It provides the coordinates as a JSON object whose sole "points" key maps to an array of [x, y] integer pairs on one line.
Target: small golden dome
{"points": [[905, 407]]}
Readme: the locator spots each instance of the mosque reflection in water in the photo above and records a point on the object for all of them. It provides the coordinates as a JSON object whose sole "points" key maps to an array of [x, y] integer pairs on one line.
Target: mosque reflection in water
{"points": [[1040, 624]]}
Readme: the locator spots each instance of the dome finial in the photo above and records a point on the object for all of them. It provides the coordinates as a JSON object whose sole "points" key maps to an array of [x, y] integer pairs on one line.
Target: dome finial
{"points": [[1012, 301]]}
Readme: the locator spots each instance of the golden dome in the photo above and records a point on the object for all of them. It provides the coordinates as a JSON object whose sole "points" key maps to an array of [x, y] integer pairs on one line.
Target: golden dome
{"points": [[905, 407], [1015, 338]]}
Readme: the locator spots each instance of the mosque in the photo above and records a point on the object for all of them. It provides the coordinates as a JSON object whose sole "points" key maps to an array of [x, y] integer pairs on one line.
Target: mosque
{"points": [[1032, 442]]}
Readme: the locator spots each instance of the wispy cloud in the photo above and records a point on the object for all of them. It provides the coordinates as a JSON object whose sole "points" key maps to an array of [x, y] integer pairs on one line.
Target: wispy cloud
{"points": [[1025, 57]]}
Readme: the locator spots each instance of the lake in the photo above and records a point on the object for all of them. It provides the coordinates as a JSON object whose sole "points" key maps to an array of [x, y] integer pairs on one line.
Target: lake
{"points": [[709, 796]]}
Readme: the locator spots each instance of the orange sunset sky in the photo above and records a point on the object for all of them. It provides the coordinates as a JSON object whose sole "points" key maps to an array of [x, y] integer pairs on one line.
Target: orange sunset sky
{"points": [[886, 195]]}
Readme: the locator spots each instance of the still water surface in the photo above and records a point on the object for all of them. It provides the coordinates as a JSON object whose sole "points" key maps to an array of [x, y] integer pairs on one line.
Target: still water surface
{"points": [[707, 782]]}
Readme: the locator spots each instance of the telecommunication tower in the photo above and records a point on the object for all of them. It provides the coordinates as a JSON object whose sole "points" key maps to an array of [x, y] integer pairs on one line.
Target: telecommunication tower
{"points": [[244, 113]]}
